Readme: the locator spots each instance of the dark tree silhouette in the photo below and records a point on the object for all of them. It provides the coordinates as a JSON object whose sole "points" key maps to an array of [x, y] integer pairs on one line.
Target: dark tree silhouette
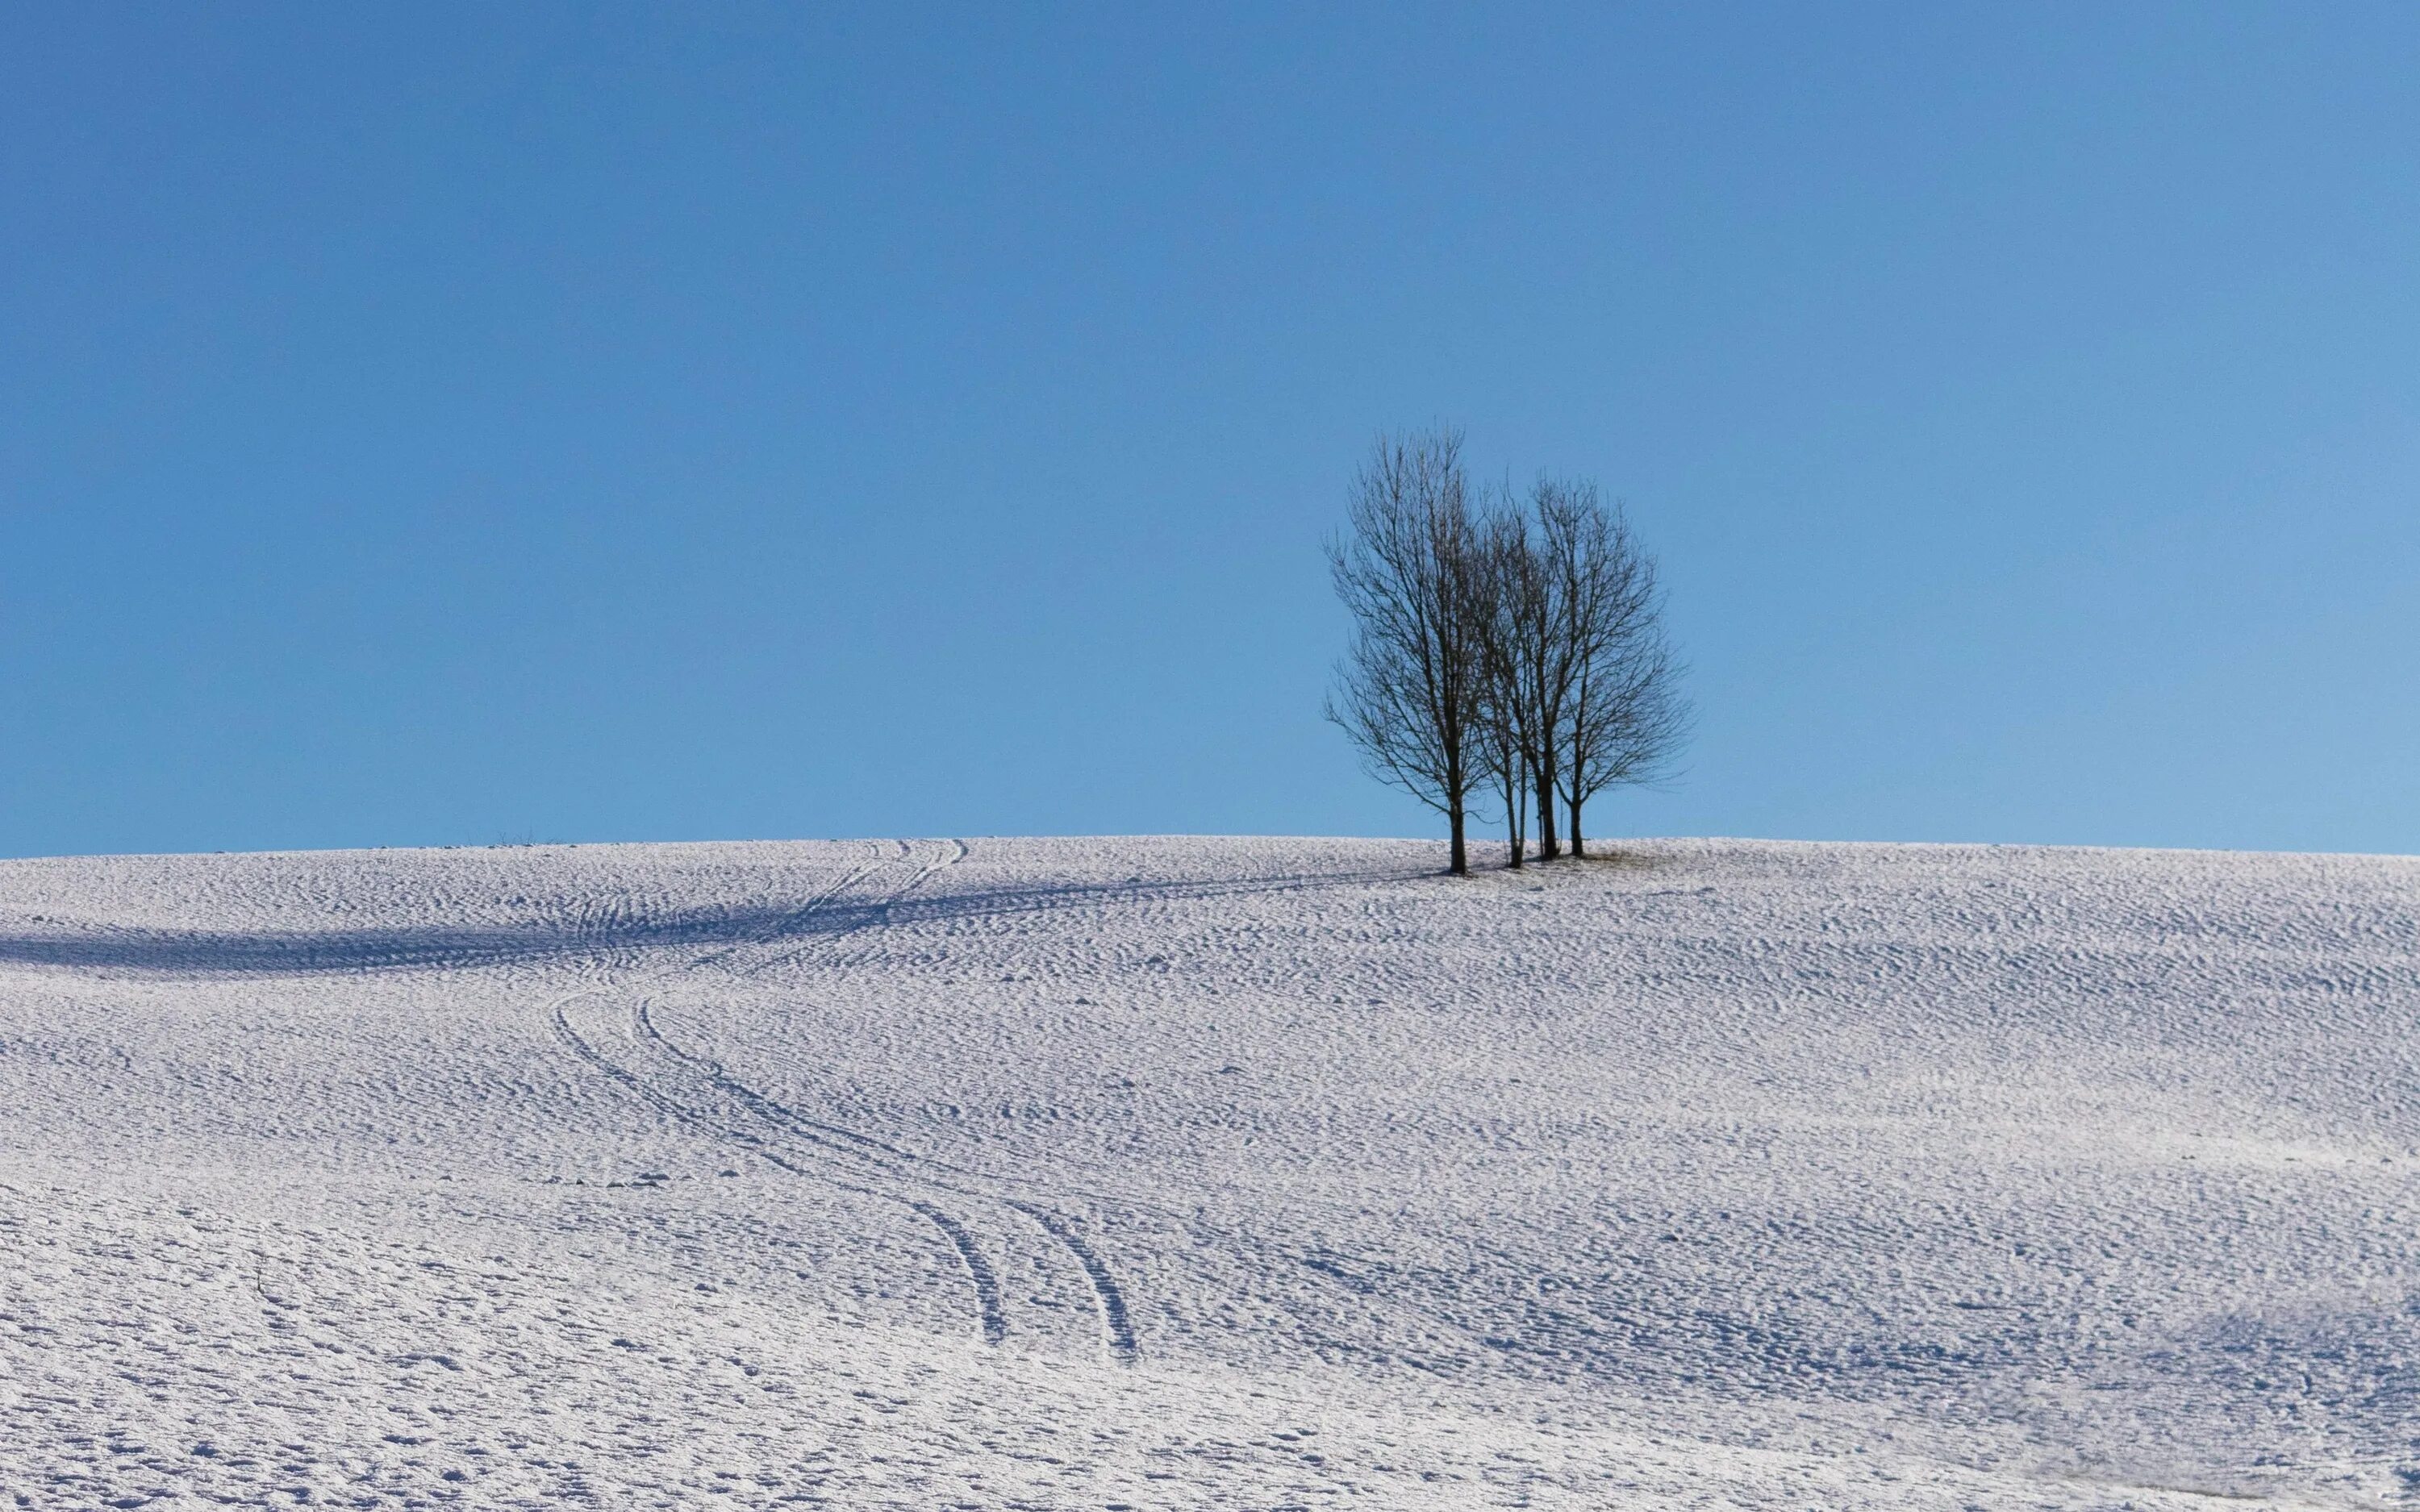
{"points": [[1624, 716], [1409, 692], [1507, 584]]}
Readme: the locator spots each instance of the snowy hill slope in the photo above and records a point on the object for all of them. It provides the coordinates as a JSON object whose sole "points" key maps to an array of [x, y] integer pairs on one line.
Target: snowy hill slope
{"points": [[1169, 1173]]}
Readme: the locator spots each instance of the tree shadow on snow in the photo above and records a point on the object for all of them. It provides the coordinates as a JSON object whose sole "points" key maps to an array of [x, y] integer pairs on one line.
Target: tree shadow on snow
{"points": [[467, 947]]}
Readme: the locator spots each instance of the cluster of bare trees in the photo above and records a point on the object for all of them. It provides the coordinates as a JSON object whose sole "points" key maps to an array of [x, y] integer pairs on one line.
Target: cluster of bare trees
{"points": [[1504, 648]]}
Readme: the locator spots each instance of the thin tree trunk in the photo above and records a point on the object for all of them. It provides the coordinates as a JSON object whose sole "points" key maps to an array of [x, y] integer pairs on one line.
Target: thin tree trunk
{"points": [[1579, 846], [1548, 848], [1514, 838], [1460, 865]]}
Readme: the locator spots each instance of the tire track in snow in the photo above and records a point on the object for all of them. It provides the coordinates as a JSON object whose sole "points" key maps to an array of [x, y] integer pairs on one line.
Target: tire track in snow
{"points": [[1111, 1302], [790, 922], [831, 1135], [982, 1275], [992, 1314], [924, 875], [869, 1160], [995, 1316], [1108, 1300]]}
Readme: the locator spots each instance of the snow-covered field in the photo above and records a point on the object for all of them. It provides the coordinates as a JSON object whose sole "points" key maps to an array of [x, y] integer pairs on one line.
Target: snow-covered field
{"points": [[1171, 1173]]}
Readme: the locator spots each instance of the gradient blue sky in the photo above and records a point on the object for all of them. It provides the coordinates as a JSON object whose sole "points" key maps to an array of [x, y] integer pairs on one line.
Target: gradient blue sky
{"points": [[427, 425]]}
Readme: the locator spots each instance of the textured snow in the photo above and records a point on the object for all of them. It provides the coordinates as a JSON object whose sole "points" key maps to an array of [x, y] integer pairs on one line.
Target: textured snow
{"points": [[1173, 1173]]}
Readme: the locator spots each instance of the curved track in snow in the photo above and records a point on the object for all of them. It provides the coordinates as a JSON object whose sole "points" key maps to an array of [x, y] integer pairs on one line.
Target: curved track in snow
{"points": [[699, 1091]]}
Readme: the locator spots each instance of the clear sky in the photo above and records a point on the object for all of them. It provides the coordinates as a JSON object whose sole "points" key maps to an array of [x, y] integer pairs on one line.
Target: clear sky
{"points": [[426, 425]]}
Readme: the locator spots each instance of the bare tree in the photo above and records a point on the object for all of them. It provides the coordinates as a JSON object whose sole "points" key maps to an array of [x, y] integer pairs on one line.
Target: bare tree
{"points": [[1508, 577], [1523, 650], [1409, 690], [1547, 646], [1537, 637], [1625, 718]]}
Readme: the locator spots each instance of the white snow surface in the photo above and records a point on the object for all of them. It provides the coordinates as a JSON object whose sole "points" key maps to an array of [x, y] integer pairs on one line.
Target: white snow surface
{"points": [[1173, 1173]]}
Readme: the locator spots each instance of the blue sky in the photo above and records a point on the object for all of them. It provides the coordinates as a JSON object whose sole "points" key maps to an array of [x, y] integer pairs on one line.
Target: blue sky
{"points": [[427, 426]]}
